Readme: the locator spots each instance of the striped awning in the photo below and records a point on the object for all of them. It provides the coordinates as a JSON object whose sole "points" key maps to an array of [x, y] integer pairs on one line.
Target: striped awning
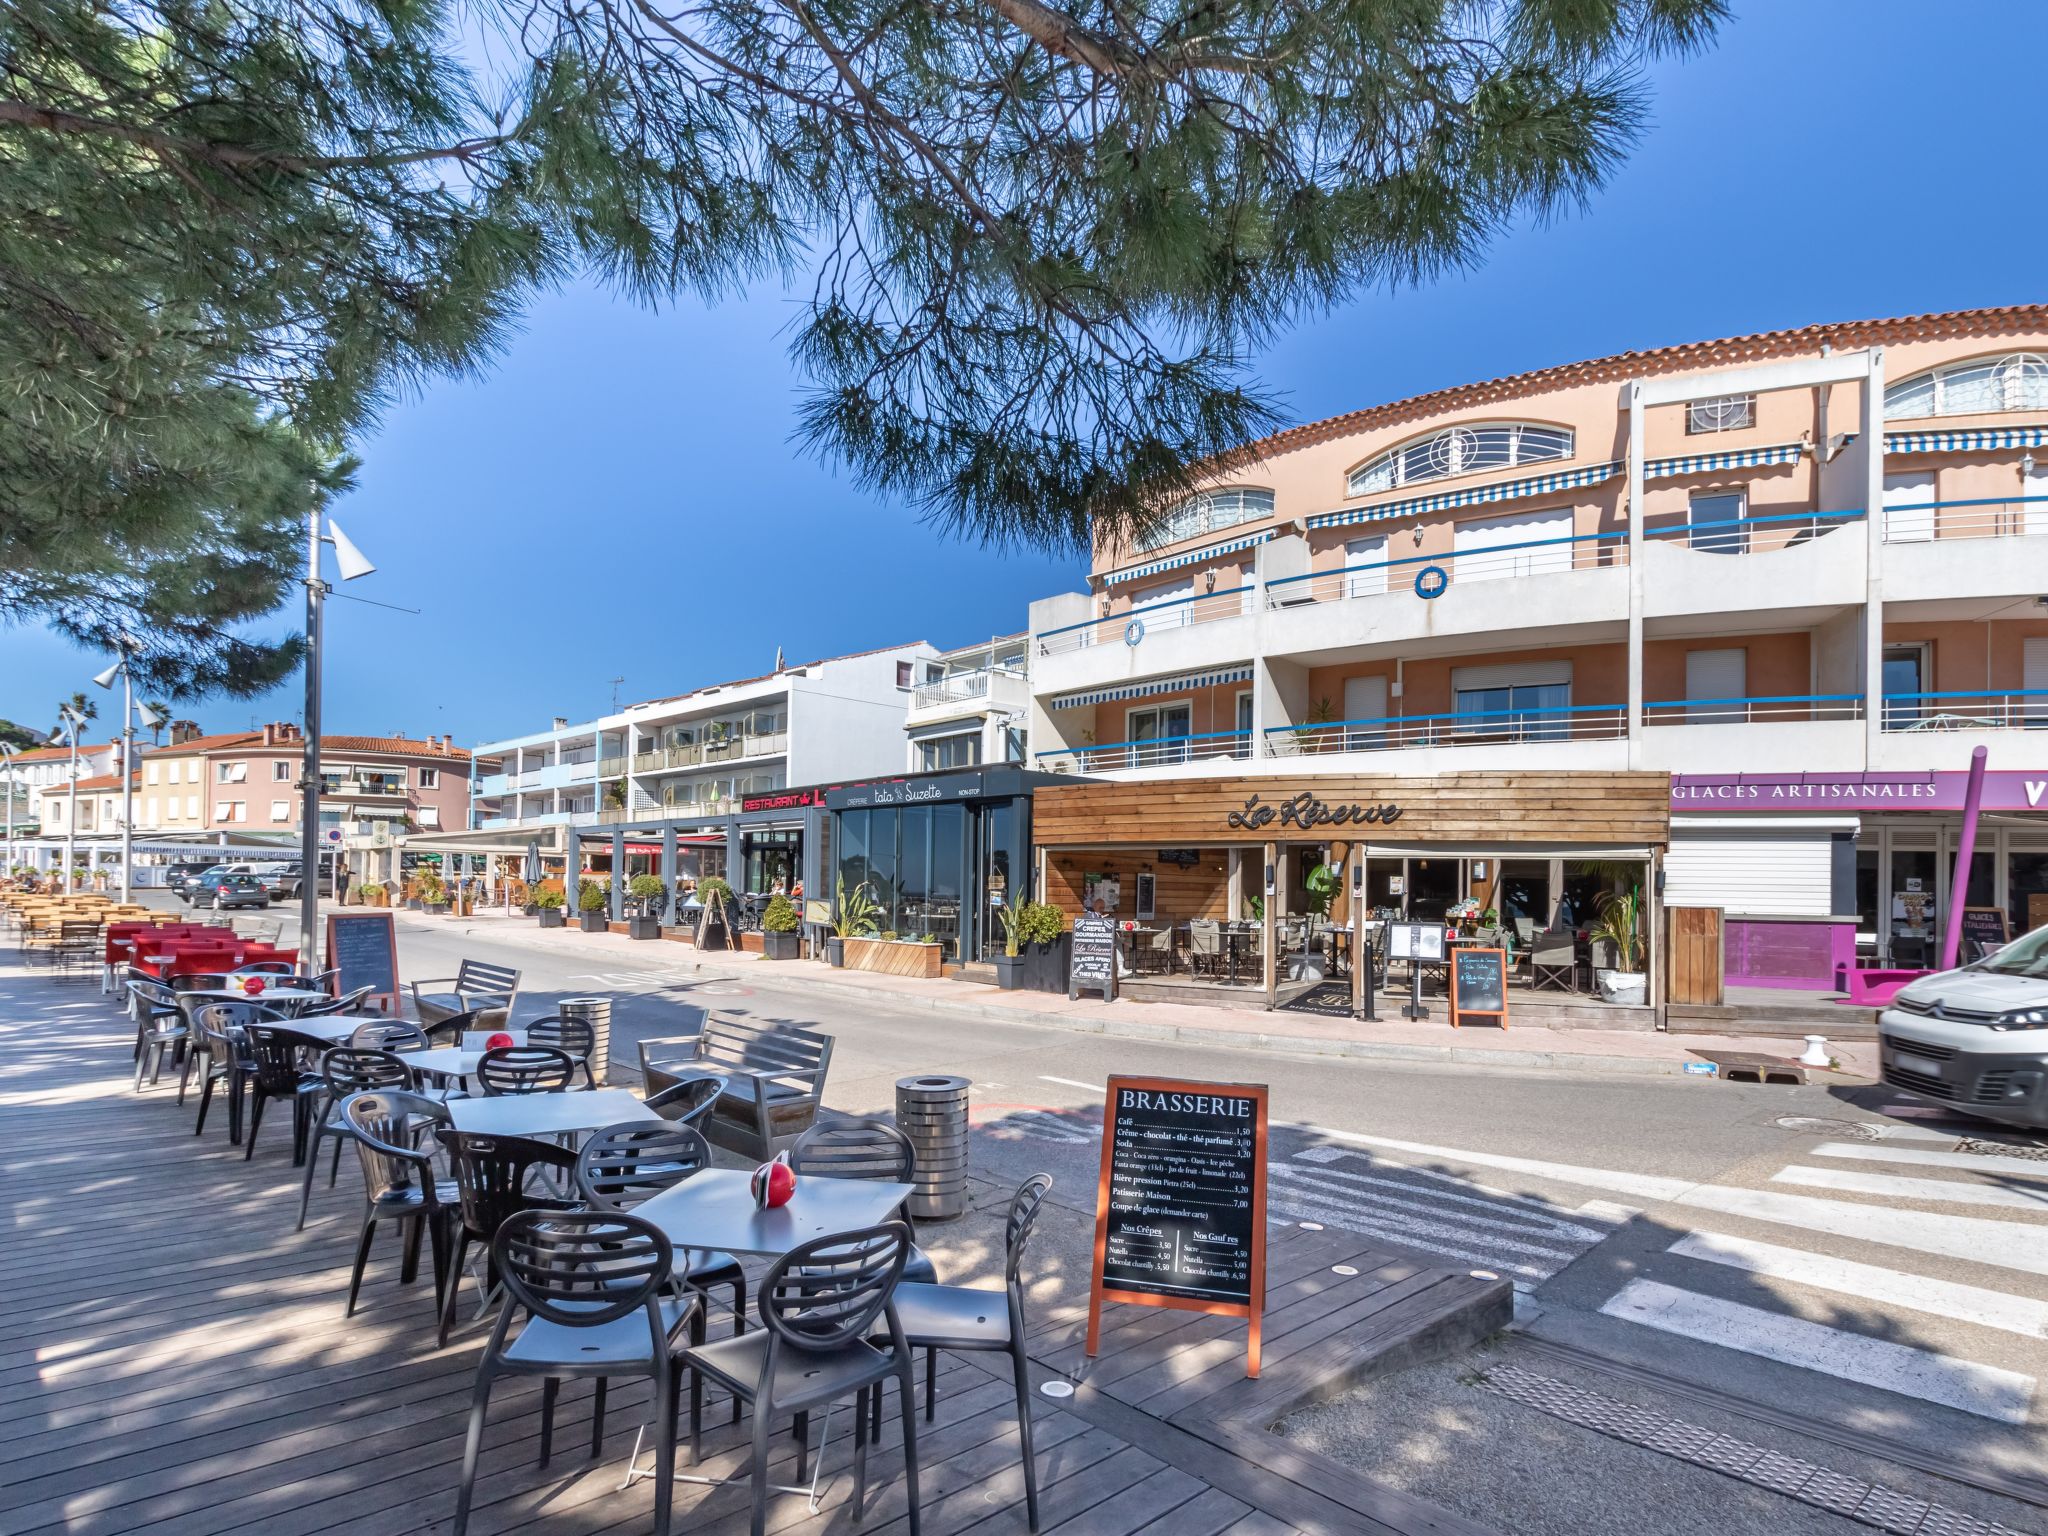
{"points": [[1186, 683], [1966, 440], [1733, 458], [1471, 496], [1189, 557]]}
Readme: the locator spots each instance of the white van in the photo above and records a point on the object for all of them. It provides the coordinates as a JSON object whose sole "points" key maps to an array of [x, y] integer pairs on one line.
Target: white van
{"points": [[1975, 1039]]}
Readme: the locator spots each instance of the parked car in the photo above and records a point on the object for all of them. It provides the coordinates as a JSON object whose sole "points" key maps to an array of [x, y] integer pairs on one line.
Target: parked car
{"points": [[221, 889], [281, 880], [177, 876], [1975, 1039]]}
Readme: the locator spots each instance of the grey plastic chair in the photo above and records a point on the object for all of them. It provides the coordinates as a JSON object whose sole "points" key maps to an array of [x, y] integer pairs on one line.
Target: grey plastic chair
{"points": [[400, 1035], [687, 1102], [399, 1183], [820, 1306], [866, 1149], [576, 1037], [345, 1070], [594, 1286], [514, 1069]]}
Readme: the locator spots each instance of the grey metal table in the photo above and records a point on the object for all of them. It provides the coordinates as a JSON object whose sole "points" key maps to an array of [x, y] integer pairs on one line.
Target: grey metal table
{"points": [[714, 1208], [333, 1029], [551, 1114]]}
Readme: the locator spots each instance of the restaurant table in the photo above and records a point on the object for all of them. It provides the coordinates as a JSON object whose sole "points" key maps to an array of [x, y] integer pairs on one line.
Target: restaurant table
{"points": [[551, 1114], [443, 1061], [334, 1029], [269, 997], [714, 1209]]}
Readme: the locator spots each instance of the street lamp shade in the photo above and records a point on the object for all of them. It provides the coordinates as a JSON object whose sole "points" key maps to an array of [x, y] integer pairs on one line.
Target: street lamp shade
{"points": [[148, 717], [352, 561], [106, 679]]}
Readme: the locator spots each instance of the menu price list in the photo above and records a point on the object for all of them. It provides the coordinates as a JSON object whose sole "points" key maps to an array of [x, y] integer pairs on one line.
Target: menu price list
{"points": [[1180, 1196]]}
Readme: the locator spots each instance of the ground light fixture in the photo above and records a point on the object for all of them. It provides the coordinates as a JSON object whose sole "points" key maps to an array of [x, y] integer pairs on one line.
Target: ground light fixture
{"points": [[351, 563]]}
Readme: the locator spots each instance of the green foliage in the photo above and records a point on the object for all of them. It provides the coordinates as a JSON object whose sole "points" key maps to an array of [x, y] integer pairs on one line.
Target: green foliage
{"points": [[12, 735], [1621, 924], [1321, 883], [1008, 915], [780, 916], [431, 888], [546, 897], [1042, 243], [646, 887], [714, 893], [1040, 922], [591, 897], [854, 912], [370, 889]]}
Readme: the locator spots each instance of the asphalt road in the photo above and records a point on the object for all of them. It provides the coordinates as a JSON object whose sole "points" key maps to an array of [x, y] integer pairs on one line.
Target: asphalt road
{"points": [[1821, 1252]]}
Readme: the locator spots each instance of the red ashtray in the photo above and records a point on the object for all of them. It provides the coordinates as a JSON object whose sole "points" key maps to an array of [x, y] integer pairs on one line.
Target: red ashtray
{"points": [[252, 985], [498, 1042]]}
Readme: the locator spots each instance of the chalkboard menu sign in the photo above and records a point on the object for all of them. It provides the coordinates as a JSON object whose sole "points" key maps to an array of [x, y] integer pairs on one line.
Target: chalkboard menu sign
{"points": [[1479, 985], [1985, 928], [1180, 1212], [1093, 962], [363, 948]]}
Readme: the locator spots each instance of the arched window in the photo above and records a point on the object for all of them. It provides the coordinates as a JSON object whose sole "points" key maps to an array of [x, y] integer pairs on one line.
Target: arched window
{"points": [[1461, 451], [2018, 382], [1210, 512]]}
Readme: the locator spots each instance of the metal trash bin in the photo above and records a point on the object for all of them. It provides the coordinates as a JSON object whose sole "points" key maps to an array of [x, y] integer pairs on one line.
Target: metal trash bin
{"points": [[598, 1011], [932, 1112]]}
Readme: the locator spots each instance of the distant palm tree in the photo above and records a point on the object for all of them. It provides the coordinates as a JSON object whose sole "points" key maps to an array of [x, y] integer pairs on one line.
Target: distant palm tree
{"points": [[79, 705]]}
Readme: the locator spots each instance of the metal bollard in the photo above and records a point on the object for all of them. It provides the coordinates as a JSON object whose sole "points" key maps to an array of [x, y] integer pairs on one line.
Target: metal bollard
{"points": [[598, 1010], [932, 1112]]}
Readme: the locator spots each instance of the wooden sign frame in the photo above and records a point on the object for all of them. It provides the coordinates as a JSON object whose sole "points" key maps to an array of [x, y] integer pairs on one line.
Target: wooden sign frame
{"points": [[388, 1002], [1253, 1312], [1500, 1015]]}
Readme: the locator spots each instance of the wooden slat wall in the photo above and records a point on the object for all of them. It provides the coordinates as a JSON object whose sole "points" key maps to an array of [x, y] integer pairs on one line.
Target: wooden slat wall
{"points": [[1695, 954], [1617, 808], [1202, 891]]}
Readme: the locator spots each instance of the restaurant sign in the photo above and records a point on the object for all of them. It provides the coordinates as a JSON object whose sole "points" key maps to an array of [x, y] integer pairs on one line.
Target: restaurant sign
{"points": [[1306, 811], [2004, 790], [783, 800]]}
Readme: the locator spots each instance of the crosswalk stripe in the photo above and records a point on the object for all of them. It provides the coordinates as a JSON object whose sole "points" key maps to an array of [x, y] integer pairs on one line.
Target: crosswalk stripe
{"points": [[1381, 1208], [1499, 1206], [1897, 1188], [2003, 1244], [1431, 1237], [2015, 1167], [1983, 1390], [1890, 1287], [1647, 1186]]}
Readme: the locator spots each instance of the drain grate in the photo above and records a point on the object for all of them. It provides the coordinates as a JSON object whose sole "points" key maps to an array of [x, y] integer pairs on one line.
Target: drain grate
{"points": [[1982, 1148], [1869, 1503]]}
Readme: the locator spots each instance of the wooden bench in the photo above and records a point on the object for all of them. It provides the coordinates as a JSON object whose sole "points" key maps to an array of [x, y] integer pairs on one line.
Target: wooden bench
{"points": [[774, 1079], [475, 985]]}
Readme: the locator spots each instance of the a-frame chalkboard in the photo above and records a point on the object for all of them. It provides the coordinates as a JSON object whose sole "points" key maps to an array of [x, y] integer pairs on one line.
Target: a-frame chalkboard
{"points": [[362, 948]]}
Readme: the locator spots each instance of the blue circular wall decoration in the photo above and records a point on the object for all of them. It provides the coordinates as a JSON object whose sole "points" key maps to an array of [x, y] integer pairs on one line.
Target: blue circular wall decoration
{"points": [[1134, 631], [1431, 581]]}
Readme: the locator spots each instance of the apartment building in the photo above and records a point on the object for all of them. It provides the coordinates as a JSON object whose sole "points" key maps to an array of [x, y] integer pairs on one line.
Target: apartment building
{"points": [[1800, 574], [971, 705], [98, 801], [26, 774]]}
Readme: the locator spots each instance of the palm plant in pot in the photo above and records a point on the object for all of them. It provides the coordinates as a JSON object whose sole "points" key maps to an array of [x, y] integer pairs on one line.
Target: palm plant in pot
{"points": [[1010, 963], [780, 939], [591, 903], [1619, 929], [546, 903], [647, 892], [854, 916], [433, 894]]}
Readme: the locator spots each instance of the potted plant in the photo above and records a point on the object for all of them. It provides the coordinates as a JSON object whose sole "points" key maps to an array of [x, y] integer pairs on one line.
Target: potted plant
{"points": [[1042, 931], [372, 893], [647, 891], [780, 938], [1010, 963], [591, 903], [433, 894], [1620, 928], [853, 916], [412, 895], [547, 906]]}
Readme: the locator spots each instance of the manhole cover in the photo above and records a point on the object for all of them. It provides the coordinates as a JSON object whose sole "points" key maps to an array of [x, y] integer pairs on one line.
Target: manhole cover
{"points": [[1820, 1125], [2032, 1154]]}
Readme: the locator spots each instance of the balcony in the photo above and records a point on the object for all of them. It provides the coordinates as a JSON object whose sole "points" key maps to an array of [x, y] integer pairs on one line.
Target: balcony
{"points": [[1466, 728], [1179, 614], [1809, 706], [966, 695], [1419, 574], [1165, 751], [732, 749], [1950, 551], [1820, 732], [374, 787], [610, 767]]}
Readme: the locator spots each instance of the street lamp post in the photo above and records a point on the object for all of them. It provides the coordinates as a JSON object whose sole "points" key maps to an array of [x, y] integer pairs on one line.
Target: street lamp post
{"points": [[71, 721], [351, 562], [8, 753], [128, 706]]}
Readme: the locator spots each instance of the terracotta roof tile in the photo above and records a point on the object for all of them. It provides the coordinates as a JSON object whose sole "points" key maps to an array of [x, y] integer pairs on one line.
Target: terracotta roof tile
{"points": [[63, 753]]}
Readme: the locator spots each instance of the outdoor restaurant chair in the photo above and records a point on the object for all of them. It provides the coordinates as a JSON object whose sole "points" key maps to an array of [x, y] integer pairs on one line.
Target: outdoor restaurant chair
{"points": [[1554, 962], [966, 1318], [267, 968], [161, 1028], [150, 1003], [450, 1030], [865, 1149], [491, 1174], [399, 1182], [594, 1288], [400, 1035], [474, 988], [622, 1165], [344, 1070], [576, 1036], [345, 1004], [1205, 946], [819, 1307], [687, 1102], [269, 1063], [524, 1069], [218, 1051]]}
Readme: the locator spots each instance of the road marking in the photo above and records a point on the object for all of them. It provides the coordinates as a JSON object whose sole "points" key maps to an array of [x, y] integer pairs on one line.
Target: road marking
{"points": [[1938, 1191], [1643, 1185], [1381, 1208], [1404, 1233], [1890, 1287], [1983, 1390], [1068, 1082], [1916, 1133], [2017, 1167], [1500, 1205], [2004, 1244]]}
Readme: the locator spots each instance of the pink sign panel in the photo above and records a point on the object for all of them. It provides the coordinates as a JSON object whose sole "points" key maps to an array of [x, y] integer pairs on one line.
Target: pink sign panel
{"points": [[2004, 790]]}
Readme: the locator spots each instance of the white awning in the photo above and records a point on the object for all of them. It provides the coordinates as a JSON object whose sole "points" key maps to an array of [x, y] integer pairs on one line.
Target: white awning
{"points": [[1733, 458], [1188, 557], [1471, 496], [1185, 683], [1966, 440]]}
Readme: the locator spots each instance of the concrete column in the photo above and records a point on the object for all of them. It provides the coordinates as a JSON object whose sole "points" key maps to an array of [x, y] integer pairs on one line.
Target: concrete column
{"points": [[618, 877], [1635, 574], [1269, 898], [668, 872], [1872, 427]]}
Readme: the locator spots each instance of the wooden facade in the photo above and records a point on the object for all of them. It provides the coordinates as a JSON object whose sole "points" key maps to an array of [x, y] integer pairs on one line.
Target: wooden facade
{"points": [[1695, 956], [1484, 810], [1182, 891]]}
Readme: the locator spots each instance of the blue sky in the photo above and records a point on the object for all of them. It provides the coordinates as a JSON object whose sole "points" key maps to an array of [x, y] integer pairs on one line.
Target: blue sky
{"points": [[619, 497]]}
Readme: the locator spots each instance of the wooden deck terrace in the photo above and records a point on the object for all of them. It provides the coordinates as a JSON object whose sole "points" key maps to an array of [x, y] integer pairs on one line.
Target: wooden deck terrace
{"points": [[174, 1360]]}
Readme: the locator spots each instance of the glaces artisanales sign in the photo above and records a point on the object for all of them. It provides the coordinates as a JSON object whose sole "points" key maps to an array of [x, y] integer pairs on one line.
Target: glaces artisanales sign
{"points": [[1306, 811]]}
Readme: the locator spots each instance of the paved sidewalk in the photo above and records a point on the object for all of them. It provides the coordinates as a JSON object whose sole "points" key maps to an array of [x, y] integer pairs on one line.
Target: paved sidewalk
{"points": [[1635, 1052]]}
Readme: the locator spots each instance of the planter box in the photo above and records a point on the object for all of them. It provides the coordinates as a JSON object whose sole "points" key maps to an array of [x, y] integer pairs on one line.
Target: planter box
{"points": [[550, 917], [435, 908], [531, 910], [412, 903], [593, 922], [894, 957], [1045, 965], [643, 927], [750, 942], [782, 946], [1010, 973]]}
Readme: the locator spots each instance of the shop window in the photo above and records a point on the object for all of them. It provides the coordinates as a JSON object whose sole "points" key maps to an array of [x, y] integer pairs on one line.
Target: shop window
{"points": [[2026, 891]]}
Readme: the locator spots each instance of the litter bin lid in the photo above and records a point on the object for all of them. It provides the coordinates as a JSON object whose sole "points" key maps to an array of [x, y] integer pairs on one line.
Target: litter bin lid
{"points": [[936, 1086]]}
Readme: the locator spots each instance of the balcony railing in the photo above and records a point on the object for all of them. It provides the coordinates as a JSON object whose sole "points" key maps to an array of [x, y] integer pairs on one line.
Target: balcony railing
{"points": [[1463, 728], [1177, 614], [386, 788], [610, 767], [1148, 754], [525, 780], [1922, 522], [2023, 710], [1376, 578], [959, 688], [1771, 708], [1755, 535], [733, 748]]}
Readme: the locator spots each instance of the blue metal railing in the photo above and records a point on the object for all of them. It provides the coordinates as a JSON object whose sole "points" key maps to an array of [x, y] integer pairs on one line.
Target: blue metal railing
{"points": [[1466, 728], [1146, 754], [1199, 608], [2023, 709], [1765, 707]]}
